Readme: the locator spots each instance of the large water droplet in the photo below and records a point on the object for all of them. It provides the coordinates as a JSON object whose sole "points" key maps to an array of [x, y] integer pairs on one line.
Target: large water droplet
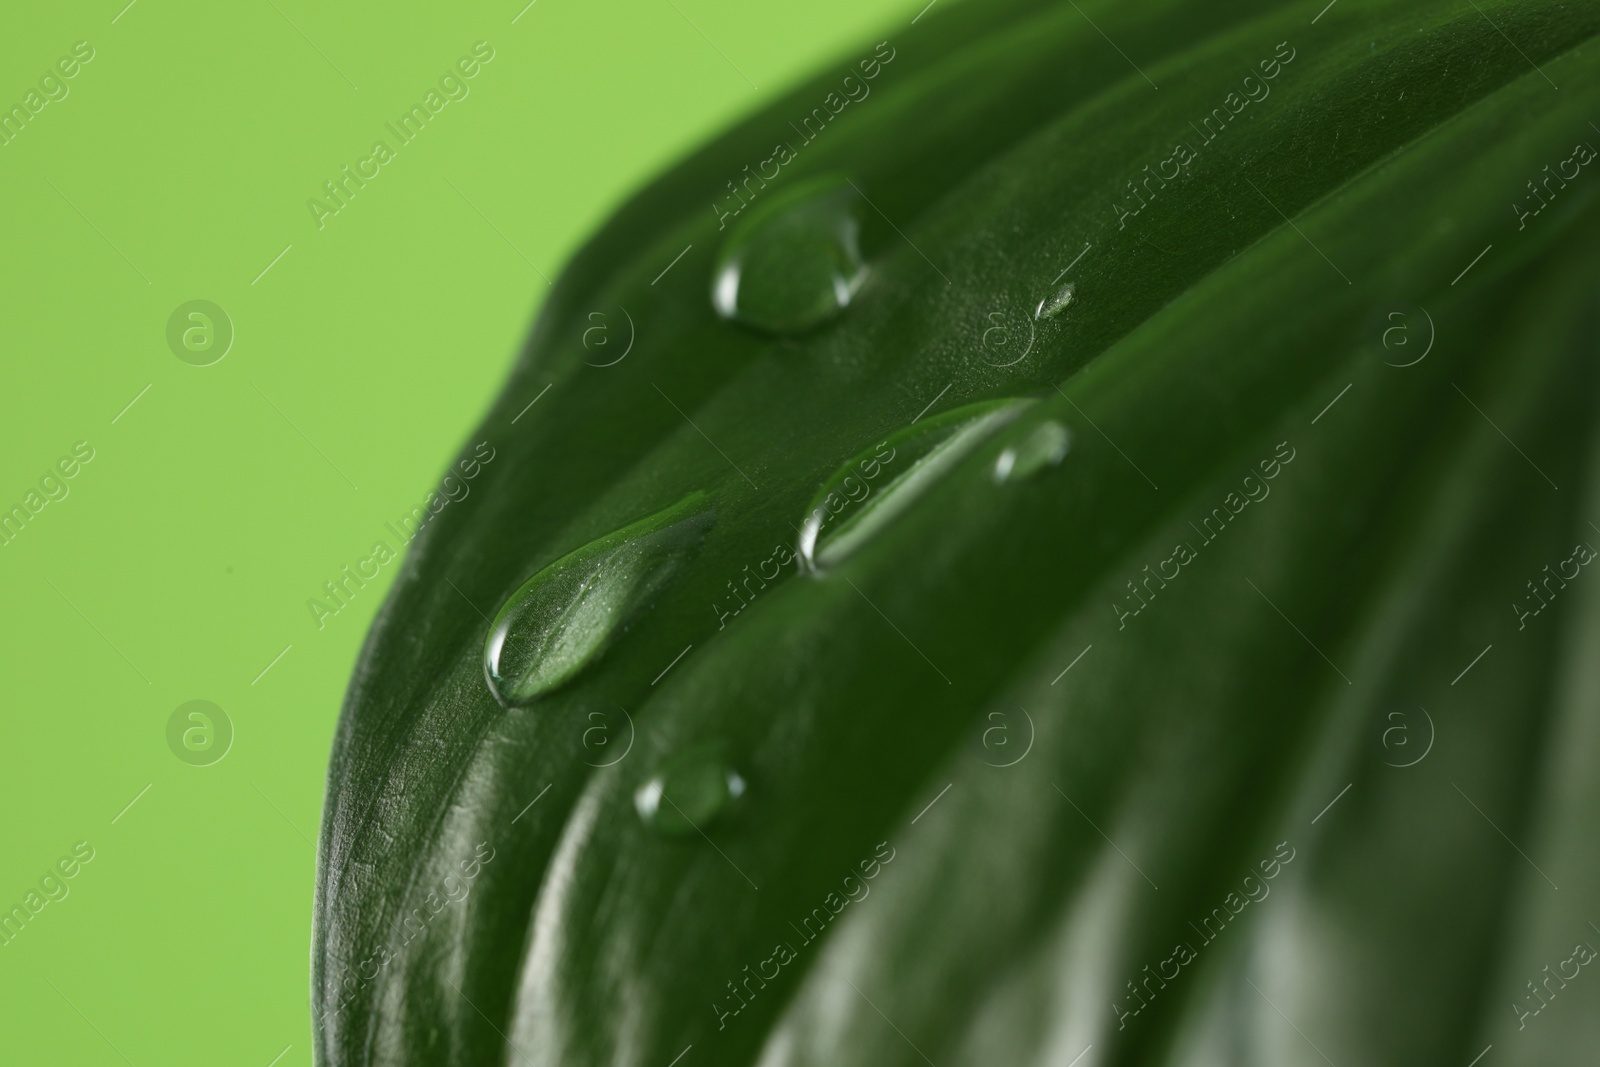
{"points": [[688, 792], [1056, 302], [1043, 446], [792, 262], [563, 617], [873, 488]]}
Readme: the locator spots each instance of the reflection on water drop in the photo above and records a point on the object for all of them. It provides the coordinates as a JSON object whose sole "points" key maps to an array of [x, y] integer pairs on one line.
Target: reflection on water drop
{"points": [[1043, 446], [794, 262], [873, 488], [688, 792], [1056, 302], [563, 618]]}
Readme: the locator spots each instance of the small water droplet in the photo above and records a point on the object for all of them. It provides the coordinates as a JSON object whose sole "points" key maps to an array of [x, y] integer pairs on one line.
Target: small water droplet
{"points": [[874, 487], [563, 618], [1056, 302], [1043, 446], [688, 792], [794, 262]]}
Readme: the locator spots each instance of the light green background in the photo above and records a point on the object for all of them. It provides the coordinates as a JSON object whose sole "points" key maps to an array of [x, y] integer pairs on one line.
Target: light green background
{"points": [[180, 563]]}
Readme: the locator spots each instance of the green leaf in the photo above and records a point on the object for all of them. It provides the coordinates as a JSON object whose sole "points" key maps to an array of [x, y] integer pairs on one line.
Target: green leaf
{"points": [[1276, 646]]}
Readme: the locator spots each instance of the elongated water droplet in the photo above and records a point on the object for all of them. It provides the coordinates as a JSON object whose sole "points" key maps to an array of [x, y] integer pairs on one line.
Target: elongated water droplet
{"points": [[1043, 446], [563, 618], [873, 488], [688, 792], [792, 262], [1056, 302]]}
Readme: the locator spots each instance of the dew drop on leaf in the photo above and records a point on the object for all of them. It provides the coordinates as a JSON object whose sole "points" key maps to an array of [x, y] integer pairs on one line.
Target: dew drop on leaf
{"points": [[873, 488], [688, 792], [1043, 446], [565, 616], [793, 262], [1056, 302]]}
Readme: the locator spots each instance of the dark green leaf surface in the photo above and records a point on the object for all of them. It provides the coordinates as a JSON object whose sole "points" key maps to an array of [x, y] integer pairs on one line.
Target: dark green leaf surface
{"points": [[1229, 376]]}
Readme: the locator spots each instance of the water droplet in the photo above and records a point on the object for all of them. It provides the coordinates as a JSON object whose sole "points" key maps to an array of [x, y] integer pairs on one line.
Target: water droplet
{"points": [[794, 262], [1056, 302], [874, 487], [688, 792], [562, 618], [1043, 446]]}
